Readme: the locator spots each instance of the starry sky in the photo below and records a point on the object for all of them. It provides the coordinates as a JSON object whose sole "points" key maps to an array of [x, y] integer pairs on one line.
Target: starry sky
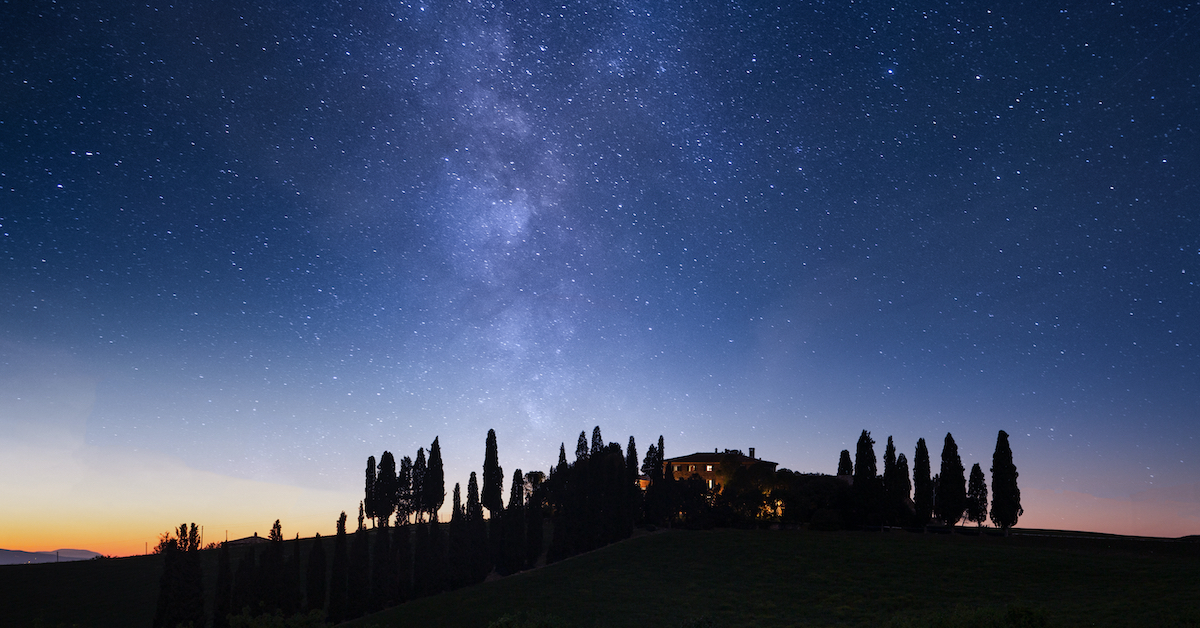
{"points": [[244, 246]]}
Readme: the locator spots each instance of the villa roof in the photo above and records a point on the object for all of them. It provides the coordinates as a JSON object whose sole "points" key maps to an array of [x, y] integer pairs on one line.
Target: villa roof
{"points": [[712, 457]]}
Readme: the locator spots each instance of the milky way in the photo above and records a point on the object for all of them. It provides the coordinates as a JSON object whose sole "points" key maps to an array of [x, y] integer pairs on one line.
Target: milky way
{"points": [[278, 239]]}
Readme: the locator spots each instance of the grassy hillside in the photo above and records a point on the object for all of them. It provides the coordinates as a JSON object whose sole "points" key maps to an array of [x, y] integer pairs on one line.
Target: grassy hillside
{"points": [[728, 578]]}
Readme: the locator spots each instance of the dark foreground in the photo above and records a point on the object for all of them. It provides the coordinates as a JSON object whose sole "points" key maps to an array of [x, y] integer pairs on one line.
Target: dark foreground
{"points": [[728, 578]]}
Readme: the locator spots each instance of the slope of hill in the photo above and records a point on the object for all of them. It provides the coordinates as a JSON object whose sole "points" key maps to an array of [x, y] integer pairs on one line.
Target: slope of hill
{"points": [[731, 578], [745, 578]]}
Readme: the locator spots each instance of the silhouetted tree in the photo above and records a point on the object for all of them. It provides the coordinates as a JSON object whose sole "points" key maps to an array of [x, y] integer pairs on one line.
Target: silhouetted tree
{"points": [[666, 496], [633, 503], [181, 587], [864, 460], [652, 463], [562, 457], [477, 533], [315, 578], [977, 496], [369, 499], [404, 491], [597, 441], [867, 485], [493, 477], [419, 471], [581, 448], [845, 466], [458, 552], [895, 487], [901, 491], [1006, 496], [534, 517], [889, 460], [338, 576], [950, 496], [514, 527], [922, 484], [435, 480], [223, 597], [386, 487]]}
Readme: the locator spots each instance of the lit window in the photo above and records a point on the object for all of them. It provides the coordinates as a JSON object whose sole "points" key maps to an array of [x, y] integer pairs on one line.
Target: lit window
{"points": [[710, 484], [709, 468], [691, 467]]}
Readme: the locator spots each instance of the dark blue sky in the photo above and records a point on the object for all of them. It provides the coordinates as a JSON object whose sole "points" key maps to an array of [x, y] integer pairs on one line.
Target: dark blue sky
{"points": [[276, 239]]}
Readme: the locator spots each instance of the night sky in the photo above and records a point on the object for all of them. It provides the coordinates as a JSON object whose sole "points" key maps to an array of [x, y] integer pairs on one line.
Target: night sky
{"points": [[243, 248]]}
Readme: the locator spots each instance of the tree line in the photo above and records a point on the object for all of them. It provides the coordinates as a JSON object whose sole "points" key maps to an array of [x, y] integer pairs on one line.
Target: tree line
{"points": [[580, 505], [946, 497]]}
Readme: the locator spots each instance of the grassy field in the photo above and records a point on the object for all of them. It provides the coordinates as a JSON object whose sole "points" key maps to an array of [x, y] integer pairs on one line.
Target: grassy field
{"points": [[728, 578], [733, 578]]}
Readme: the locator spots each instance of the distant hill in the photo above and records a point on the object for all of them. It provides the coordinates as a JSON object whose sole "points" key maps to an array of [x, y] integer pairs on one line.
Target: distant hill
{"points": [[17, 557]]}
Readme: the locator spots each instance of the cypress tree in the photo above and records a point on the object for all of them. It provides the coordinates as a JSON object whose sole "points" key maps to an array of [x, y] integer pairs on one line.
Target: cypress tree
{"points": [[894, 486], [369, 498], [665, 495], [581, 448], [419, 471], [514, 526], [1006, 496], [866, 483], [597, 441], [477, 533], [404, 495], [864, 460], [435, 480], [338, 576], [386, 487], [889, 464], [977, 494], [223, 597], [493, 477], [562, 457], [901, 490], [845, 466], [314, 594], [458, 553], [950, 496], [534, 519], [634, 491], [922, 484], [650, 466], [181, 586]]}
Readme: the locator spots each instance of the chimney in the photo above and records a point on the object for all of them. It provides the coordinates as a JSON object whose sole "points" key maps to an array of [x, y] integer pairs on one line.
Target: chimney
{"points": [[751, 452]]}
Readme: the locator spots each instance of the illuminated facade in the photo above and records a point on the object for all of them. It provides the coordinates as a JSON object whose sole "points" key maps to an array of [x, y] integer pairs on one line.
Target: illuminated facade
{"points": [[712, 467]]}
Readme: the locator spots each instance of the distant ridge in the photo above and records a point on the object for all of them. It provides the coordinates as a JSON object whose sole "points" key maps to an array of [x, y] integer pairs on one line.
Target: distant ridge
{"points": [[17, 557]]}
